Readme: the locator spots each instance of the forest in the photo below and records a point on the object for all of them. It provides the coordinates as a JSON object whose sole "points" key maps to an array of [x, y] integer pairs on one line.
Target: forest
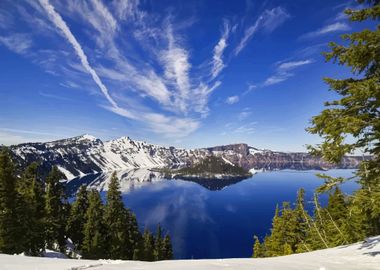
{"points": [[36, 216], [347, 125]]}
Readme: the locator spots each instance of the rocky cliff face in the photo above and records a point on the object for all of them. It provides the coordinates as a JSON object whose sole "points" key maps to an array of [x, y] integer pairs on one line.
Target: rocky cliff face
{"points": [[86, 155]]}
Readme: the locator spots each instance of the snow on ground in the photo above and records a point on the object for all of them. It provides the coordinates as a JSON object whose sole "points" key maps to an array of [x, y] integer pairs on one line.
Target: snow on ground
{"points": [[361, 256]]}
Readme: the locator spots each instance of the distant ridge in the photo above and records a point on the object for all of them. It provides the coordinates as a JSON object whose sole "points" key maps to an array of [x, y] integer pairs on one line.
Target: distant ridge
{"points": [[86, 154]]}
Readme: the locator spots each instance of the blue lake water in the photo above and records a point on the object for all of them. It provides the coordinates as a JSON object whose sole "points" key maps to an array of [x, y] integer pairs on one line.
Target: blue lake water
{"points": [[212, 220], [220, 224]]}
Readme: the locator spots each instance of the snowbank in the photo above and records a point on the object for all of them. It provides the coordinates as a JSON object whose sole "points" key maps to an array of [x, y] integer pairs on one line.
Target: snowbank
{"points": [[361, 256]]}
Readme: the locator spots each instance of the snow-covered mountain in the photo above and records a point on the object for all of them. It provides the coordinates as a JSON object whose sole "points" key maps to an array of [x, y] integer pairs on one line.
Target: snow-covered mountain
{"points": [[359, 256], [86, 154]]}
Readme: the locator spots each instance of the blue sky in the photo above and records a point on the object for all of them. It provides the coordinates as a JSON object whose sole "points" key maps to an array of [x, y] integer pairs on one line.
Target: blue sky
{"points": [[183, 73]]}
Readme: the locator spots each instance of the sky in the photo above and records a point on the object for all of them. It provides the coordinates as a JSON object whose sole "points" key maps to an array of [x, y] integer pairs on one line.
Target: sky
{"points": [[184, 73]]}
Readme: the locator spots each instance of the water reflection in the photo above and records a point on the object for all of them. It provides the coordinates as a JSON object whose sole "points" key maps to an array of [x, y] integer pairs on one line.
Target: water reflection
{"points": [[133, 179], [204, 221]]}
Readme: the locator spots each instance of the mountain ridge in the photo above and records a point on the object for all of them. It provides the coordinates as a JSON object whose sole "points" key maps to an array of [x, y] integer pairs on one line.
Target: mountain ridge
{"points": [[86, 154]]}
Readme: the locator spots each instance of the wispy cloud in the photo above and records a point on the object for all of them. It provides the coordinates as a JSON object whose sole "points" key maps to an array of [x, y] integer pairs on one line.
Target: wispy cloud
{"points": [[140, 61], [61, 24], [179, 95], [232, 100], [277, 78], [285, 66], [283, 71], [18, 43], [330, 28], [269, 20], [248, 128], [244, 114], [217, 62]]}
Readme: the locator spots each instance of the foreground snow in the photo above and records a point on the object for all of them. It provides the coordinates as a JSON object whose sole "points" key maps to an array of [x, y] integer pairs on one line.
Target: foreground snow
{"points": [[363, 256]]}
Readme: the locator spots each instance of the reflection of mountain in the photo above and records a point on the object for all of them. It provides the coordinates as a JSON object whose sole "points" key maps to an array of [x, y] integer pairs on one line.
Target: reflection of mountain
{"points": [[131, 180], [215, 184]]}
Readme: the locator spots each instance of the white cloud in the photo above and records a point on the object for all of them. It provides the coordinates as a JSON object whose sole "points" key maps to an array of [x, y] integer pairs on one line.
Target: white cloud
{"points": [[269, 20], [294, 64], [217, 62], [138, 60], [250, 88], [244, 114], [277, 78], [60, 24], [246, 128], [18, 43], [283, 71], [232, 100], [247, 36], [274, 18], [334, 27]]}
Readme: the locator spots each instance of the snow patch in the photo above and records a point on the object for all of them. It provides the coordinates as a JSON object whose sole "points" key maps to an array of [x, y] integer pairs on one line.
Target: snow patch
{"points": [[67, 173]]}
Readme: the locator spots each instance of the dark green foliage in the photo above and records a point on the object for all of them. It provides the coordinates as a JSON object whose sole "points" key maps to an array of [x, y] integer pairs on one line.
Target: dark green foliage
{"points": [[355, 115], [35, 215], [167, 252], [158, 245], [56, 209], [94, 242], [77, 218], [135, 237], [32, 194], [116, 222], [11, 228], [148, 246]]}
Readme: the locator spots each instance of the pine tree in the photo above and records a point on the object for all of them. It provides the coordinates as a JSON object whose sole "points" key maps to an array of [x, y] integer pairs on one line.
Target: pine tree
{"points": [[258, 251], [302, 220], [115, 219], [273, 242], [355, 115], [56, 209], [167, 248], [94, 245], [339, 229], [32, 193], [148, 246], [158, 244], [12, 238], [135, 238], [77, 218]]}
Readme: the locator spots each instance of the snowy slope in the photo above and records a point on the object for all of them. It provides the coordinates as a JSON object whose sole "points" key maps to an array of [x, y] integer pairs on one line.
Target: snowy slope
{"points": [[360, 256]]}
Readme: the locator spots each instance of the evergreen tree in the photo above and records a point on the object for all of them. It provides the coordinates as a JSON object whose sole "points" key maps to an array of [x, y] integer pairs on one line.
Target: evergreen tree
{"points": [[355, 115], [339, 227], [56, 209], [94, 245], [258, 251], [158, 245], [77, 218], [148, 246], [116, 222], [12, 238], [167, 248], [273, 243], [32, 193], [135, 238]]}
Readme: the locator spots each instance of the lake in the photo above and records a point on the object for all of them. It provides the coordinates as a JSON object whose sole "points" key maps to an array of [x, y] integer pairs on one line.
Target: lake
{"points": [[207, 218]]}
